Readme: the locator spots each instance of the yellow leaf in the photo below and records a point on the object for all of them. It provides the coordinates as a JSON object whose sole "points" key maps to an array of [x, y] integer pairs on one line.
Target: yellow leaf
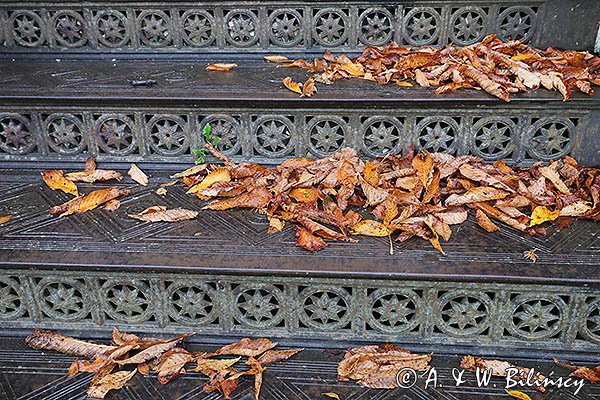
{"points": [[291, 85], [56, 181], [404, 83], [5, 218], [369, 227], [517, 395], [221, 67], [542, 214], [332, 395]]}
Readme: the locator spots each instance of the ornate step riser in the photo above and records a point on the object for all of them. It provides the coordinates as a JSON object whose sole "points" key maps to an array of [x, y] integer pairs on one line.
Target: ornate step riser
{"points": [[487, 315], [522, 135], [262, 26]]}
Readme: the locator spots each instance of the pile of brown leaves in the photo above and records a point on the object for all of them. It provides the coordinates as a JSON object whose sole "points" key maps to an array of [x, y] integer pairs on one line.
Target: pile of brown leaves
{"points": [[130, 354], [418, 195], [377, 367], [498, 68]]}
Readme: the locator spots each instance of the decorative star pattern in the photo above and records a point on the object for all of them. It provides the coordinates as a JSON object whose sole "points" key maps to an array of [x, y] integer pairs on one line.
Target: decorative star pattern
{"points": [[325, 307], [14, 136], [330, 27], [274, 135], [516, 25], [422, 27], [327, 136], [69, 28], [10, 301], [155, 28], [191, 303], [198, 28], [116, 134], [127, 301], [226, 133], [464, 312], [167, 134], [286, 27], [493, 138], [468, 26], [64, 134], [27, 29], [395, 310], [242, 28], [551, 139], [258, 305], [381, 137], [62, 299], [376, 27], [593, 321], [536, 316], [112, 28], [439, 137]]}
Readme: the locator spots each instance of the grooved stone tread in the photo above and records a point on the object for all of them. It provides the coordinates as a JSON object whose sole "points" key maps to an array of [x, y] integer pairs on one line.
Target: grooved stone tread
{"points": [[181, 82], [238, 242], [27, 374]]}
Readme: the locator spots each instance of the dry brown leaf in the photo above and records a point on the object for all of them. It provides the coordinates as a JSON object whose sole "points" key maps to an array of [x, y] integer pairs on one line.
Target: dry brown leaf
{"points": [[153, 351], [42, 339], [208, 366], [553, 176], [277, 59], [5, 219], [292, 85], [88, 202], [171, 364], [161, 214], [498, 368], [484, 222], [421, 78], [309, 88], [423, 164], [257, 198], [275, 225], [476, 195], [221, 66], [218, 175], [308, 241], [110, 382], [531, 255], [112, 205], [57, 181], [91, 175], [138, 175], [272, 356], [247, 347]]}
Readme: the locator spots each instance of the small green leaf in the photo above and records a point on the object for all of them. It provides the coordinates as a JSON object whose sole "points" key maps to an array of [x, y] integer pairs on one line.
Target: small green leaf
{"points": [[197, 151], [207, 130], [216, 141]]}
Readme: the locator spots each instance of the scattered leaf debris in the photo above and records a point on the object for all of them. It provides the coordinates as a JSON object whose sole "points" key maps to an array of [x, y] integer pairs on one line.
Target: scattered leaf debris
{"points": [[419, 195], [498, 368], [591, 375], [130, 354], [497, 67]]}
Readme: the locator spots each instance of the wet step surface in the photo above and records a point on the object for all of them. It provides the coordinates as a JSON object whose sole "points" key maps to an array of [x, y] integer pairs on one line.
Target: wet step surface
{"points": [[27, 374]]}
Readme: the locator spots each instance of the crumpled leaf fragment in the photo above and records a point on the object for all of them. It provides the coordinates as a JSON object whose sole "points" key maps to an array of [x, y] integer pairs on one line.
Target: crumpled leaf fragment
{"points": [[56, 180], [161, 214], [138, 175]]}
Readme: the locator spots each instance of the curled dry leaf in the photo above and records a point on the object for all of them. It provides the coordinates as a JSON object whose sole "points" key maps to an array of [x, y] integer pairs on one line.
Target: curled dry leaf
{"points": [[153, 351], [56, 180], [309, 88], [484, 222], [377, 366], [272, 356], [278, 59], [91, 174], [331, 395], [218, 175], [221, 67], [247, 347], [4, 219], [42, 339], [292, 85], [110, 382], [498, 368], [161, 191], [308, 241], [161, 214], [88, 202], [171, 364], [138, 175]]}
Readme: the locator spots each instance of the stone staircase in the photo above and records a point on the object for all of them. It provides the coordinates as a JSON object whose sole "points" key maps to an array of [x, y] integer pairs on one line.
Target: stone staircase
{"points": [[65, 94]]}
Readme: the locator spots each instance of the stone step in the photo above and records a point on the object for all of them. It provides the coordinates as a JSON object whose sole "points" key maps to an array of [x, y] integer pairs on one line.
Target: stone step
{"points": [[64, 110], [222, 274], [35, 375], [276, 26]]}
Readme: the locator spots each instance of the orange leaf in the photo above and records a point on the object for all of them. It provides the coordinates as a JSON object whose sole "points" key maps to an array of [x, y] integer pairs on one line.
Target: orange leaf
{"points": [[5, 219], [89, 202], [309, 88], [291, 85], [517, 395], [221, 67], [307, 240], [369, 227], [56, 181], [218, 175], [423, 163]]}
